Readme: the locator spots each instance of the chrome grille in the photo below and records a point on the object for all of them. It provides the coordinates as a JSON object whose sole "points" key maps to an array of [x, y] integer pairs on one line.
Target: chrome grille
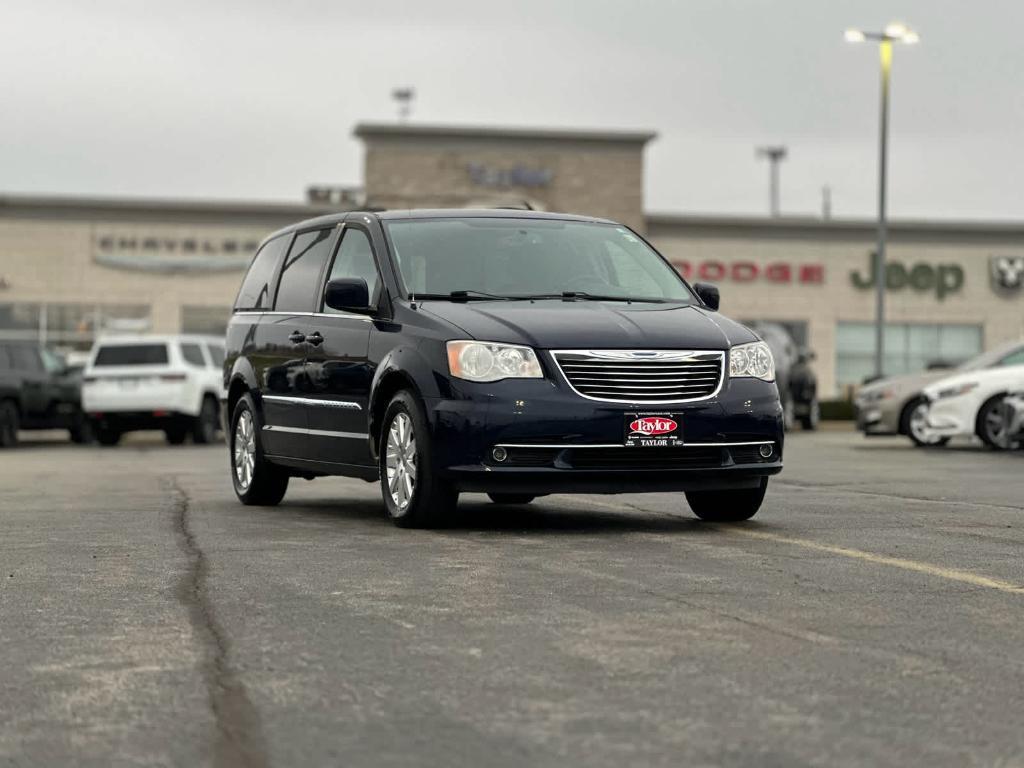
{"points": [[642, 376]]}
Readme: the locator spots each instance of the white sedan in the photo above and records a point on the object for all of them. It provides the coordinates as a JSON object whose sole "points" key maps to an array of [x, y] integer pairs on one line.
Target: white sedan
{"points": [[971, 404]]}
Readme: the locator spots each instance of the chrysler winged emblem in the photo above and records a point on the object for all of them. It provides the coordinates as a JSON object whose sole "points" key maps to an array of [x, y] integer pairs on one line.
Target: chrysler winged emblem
{"points": [[1007, 272]]}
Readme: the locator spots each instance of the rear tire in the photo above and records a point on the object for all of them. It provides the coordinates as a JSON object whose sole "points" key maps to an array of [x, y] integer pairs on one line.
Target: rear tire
{"points": [[256, 481], [812, 418], [9, 423], [108, 436], [204, 428], [991, 424], [414, 495], [729, 506], [176, 433], [511, 498], [81, 430]]}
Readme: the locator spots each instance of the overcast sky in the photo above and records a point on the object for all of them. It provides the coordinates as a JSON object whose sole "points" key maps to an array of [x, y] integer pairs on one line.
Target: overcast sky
{"points": [[256, 99]]}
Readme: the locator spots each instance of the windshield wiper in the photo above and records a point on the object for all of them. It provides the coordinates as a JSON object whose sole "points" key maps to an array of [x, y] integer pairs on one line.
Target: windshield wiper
{"points": [[465, 295], [577, 295]]}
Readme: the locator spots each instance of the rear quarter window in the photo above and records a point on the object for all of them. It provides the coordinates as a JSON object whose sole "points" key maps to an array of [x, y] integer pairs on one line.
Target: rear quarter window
{"points": [[257, 287], [131, 354], [193, 355]]}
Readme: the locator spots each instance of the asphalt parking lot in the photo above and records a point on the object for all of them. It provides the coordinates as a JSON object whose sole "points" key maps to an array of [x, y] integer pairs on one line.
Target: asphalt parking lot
{"points": [[871, 614]]}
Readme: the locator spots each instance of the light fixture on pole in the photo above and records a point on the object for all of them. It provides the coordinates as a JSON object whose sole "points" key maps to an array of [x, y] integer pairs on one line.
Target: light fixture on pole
{"points": [[403, 97], [775, 155], [895, 32]]}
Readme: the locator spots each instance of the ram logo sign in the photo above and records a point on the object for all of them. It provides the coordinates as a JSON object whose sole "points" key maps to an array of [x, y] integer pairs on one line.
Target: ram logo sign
{"points": [[1007, 272]]}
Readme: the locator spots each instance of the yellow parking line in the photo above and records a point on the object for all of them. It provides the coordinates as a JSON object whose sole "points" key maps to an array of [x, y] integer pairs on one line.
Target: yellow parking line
{"points": [[950, 574]]}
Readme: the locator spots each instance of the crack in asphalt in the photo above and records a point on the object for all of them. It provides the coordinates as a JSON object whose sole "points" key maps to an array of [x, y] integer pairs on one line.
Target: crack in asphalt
{"points": [[240, 740]]}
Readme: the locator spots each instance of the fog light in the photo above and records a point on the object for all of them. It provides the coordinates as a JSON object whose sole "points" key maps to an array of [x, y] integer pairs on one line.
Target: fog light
{"points": [[499, 454], [766, 451]]}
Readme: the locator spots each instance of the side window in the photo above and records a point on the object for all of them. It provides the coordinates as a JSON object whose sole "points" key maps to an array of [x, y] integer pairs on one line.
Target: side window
{"points": [[301, 271], [255, 291], [1014, 358], [25, 358], [354, 259], [52, 362], [193, 354], [216, 355]]}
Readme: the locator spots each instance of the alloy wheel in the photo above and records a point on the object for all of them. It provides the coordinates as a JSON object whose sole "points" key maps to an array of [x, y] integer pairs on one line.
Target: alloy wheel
{"points": [[400, 461], [996, 426], [919, 425], [244, 450]]}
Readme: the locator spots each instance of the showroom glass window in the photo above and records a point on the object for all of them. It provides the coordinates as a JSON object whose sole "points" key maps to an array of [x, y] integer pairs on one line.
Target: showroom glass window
{"points": [[354, 259], [909, 347], [255, 292], [301, 270]]}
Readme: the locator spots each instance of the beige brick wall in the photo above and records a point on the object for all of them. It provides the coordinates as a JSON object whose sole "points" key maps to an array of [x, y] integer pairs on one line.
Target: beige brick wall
{"points": [[602, 179]]}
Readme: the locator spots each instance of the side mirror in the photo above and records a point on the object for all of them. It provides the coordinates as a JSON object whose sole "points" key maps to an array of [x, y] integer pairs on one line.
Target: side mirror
{"points": [[348, 294], [708, 294]]}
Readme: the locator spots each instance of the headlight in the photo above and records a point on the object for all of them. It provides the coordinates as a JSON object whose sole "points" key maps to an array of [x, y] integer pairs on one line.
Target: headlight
{"points": [[486, 361], [753, 361], [959, 389]]}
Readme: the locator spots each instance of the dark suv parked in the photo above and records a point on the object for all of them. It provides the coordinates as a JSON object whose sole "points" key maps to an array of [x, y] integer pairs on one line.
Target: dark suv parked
{"points": [[38, 391], [507, 352]]}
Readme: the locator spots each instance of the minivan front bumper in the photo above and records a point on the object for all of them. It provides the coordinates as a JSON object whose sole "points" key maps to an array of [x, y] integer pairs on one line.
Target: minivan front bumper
{"points": [[556, 441]]}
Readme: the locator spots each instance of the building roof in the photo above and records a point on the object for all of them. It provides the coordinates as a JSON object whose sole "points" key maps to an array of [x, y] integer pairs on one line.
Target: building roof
{"points": [[426, 130], [838, 228], [161, 209]]}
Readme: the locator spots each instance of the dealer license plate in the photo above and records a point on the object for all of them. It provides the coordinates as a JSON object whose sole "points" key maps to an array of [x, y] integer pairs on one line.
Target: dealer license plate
{"points": [[652, 430]]}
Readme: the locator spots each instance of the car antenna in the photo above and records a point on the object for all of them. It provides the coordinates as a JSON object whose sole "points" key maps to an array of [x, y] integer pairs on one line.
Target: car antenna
{"points": [[412, 300]]}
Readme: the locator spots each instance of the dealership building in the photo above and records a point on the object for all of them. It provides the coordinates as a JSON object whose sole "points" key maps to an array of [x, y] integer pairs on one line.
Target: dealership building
{"points": [[72, 268]]}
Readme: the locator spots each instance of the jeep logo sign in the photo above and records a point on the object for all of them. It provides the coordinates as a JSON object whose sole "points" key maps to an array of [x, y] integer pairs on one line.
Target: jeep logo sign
{"points": [[1007, 272], [943, 279]]}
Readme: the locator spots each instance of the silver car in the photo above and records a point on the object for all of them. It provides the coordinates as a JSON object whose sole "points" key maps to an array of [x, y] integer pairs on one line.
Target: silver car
{"points": [[896, 406]]}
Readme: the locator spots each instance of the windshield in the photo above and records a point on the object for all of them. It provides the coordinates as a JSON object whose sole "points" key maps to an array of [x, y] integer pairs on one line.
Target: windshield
{"points": [[530, 257], [132, 354]]}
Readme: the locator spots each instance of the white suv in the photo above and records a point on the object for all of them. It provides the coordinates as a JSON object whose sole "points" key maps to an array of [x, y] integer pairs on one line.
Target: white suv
{"points": [[173, 383]]}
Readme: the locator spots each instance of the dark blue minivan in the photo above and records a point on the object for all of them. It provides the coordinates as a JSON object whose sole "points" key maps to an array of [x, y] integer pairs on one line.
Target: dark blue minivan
{"points": [[512, 353]]}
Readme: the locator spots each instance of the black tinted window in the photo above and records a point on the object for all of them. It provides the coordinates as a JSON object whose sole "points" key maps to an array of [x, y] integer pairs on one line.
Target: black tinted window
{"points": [[354, 259], [132, 354], [301, 270], [25, 358], [256, 287], [216, 354], [193, 355]]}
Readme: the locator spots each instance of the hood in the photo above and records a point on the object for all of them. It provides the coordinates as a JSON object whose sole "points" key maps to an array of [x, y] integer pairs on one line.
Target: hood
{"points": [[558, 324], [990, 380], [897, 385]]}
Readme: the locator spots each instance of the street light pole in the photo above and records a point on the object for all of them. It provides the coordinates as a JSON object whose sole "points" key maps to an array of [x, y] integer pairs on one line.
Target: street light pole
{"points": [[885, 55], [775, 155], [894, 32]]}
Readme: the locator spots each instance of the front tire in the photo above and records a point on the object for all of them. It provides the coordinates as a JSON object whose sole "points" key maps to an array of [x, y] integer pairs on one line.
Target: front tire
{"points": [[9, 423], [729, 506], [914, 424], [414, 495], [511, 498], [256, 481]]}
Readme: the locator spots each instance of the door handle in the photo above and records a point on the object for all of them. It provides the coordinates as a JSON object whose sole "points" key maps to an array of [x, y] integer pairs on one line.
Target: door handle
{"points": [[315, 338], [297, 337]]}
